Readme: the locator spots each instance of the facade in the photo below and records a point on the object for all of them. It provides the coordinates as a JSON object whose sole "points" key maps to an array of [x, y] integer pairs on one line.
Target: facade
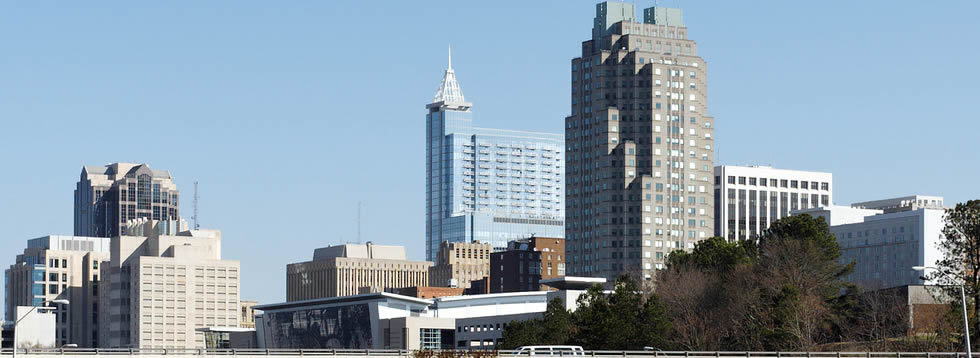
{"points": [[107, 197], [749, 198], [160, 289], [247, 319], [390, 321], [489, 185], [639, 145], [36, 329], [60, 267], [428, 292], [349, 269], [460, 263], [901, 233], [526, 263]]}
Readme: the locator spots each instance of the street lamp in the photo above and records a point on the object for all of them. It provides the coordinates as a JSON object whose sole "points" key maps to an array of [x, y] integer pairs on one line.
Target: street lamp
{"points": [[966, 322], [57, 301]]}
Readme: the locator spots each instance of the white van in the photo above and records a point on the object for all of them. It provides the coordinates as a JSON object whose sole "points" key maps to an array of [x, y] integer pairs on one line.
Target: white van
{"points": [[550, 351]]}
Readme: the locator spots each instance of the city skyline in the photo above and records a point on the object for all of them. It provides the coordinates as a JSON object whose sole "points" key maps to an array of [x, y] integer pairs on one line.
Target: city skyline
{"points": [[253, 127]]}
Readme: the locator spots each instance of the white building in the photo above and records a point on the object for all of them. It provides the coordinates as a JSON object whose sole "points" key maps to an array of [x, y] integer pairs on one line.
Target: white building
{"points": [[35, 330], [893, 236], [389, 321], [749, 198], [159, 289]]}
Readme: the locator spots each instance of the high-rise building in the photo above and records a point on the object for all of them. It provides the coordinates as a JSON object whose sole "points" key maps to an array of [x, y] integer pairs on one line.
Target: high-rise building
{"points": [[886, 238], [526, 263], [460, 263], [749, 198], [107, 197], [64, 268], [350, 269], [158, 290], [639, 145], [489, 185]]}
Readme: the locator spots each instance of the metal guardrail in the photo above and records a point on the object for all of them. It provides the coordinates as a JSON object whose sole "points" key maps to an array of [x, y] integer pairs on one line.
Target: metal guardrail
{"points": [[409, 353]]}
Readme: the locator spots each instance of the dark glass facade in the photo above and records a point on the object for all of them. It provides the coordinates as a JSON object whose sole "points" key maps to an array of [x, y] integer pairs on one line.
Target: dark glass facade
{"points": [[346, 326]]}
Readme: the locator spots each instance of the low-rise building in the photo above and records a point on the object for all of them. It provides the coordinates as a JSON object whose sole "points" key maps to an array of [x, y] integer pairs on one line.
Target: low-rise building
{"points": [[390, 321], [525, 263], [749, 198], [36, 329], [247, 312], [349, 269], [891, 237], [460, 263], [60, 267]]}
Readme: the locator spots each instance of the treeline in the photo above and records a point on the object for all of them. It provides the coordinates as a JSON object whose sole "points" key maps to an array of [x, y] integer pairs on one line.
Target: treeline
{"points": [[783, 292]]}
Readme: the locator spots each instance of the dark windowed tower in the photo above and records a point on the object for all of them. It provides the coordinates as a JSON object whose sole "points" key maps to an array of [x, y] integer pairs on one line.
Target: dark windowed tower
{"points": [[107, 197], [639, 145]]}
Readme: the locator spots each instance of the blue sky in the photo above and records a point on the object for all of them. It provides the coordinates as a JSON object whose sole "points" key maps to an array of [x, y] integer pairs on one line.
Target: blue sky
{"points": [[290, 113]]}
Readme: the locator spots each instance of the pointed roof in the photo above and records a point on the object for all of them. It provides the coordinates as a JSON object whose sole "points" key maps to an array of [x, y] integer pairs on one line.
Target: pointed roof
{"points": [[449, 91]]}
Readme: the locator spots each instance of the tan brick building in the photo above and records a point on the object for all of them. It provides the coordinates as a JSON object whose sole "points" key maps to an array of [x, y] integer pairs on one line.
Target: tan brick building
{"points": [[525, 263], [459, 263], [343, 270]]}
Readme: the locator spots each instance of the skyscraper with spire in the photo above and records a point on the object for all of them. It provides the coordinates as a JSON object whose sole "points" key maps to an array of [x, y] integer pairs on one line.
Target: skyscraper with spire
{"points": [[488, 185]]}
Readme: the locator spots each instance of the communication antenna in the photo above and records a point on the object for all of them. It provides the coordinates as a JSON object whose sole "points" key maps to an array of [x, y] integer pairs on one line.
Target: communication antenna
{"points": [[197, 224]]}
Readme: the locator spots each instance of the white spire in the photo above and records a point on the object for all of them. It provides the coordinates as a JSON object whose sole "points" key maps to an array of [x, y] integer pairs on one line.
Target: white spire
{"points": [[449, 91]]}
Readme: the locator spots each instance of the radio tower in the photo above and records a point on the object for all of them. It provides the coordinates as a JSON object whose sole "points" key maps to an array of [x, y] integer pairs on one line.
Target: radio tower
{"points": [[197, 224]]}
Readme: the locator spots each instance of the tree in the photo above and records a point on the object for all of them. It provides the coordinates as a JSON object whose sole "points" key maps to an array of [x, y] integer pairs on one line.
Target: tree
{"points": [[624, 319], [554, 328], [715, 254], [960, 246]]}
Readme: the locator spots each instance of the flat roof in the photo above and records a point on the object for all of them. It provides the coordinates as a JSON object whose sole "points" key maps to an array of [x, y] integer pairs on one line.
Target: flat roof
{"points": [[490, 296], [224, 329], [573, 282], [344, 299]]}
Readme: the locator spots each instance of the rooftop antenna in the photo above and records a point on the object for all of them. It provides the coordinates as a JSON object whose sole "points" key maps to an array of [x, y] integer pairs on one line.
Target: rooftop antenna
{"points": [[197, 224], [358, 222]]}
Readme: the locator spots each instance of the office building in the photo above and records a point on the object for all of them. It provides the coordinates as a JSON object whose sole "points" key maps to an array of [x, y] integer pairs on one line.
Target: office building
{"points": [[896, 235], [526, 263], [158, 290], [385, 320], [107, 197], [489, 185], [60, 267], [247, 319], [639, 145], [349, 269], [460, 263], [749, 198]]}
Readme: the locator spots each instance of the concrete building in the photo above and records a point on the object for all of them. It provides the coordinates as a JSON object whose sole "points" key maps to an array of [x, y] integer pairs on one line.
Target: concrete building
{"points": [[460, 263], [896, 235], [489, 185], [390, 321], [36, 329], [639, 144], [749, 198], [247, 311], [343, 270], [107, 197], [428, 292], [526, 263], [159, 289], [60, 267]]}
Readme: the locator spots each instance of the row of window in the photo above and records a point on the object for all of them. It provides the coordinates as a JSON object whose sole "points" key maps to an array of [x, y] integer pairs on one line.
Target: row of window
{"points": [[771, 182]]}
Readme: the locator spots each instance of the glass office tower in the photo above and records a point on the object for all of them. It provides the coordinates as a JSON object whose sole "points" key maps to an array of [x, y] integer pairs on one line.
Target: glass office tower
{"points": [[489, 185]]}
